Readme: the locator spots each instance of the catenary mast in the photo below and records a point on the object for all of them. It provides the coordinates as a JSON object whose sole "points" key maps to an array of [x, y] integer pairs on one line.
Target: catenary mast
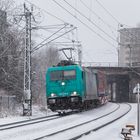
{"points": [[27, 98]]}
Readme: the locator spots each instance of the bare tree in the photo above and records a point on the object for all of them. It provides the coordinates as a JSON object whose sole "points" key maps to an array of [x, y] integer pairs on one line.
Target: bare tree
{"points": [[47, 57], [11, 52]]}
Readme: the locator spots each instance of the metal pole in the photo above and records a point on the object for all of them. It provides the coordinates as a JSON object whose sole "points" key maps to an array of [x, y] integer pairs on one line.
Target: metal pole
{"points": [[130, 55], [27, 103], [138, 120], [80, 55], [118, 56], [118, 39], [30, 28]]}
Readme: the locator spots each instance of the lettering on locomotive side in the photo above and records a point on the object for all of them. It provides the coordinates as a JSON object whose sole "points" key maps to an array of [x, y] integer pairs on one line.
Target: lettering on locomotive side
{"points": [[63, 94]]}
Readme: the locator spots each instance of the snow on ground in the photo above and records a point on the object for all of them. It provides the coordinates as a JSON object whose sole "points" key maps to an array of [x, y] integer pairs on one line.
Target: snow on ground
{"points": [[36, 112], [33, 131], [84, 128], [111, 132]]}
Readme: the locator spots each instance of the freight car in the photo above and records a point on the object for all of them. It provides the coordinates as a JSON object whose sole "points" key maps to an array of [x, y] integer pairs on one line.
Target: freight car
{"points": [[74, 87]]}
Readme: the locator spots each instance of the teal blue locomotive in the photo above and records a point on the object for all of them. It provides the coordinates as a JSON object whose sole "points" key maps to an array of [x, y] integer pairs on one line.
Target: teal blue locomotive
{"points": [[74, 87]]}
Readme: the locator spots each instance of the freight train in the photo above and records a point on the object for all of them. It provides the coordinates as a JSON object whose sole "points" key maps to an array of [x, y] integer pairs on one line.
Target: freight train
{"points": [[72, 87]]}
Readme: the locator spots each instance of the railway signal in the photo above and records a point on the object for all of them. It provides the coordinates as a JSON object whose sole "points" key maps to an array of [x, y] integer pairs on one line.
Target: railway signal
{"points": [[136, 90]]}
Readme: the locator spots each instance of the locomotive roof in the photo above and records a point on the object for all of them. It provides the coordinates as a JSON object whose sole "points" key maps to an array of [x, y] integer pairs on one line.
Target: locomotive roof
{"points": [[64, 67]]}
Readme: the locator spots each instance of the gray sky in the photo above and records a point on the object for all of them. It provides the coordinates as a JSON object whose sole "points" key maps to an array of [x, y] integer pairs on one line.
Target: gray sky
{"points": [[95, 49]]}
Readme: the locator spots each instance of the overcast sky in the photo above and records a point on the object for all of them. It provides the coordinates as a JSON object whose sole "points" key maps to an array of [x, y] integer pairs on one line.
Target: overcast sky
{"points": [[95, 49]]}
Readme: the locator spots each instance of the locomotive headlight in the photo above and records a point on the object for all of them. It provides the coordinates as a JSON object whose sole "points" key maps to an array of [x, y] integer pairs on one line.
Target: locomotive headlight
{"points": [[63, 83], [53, 94], [74, 93]]}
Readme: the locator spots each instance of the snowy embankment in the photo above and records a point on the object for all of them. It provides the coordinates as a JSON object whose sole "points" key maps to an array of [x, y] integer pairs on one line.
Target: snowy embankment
{"points": [[111, 132], [37, 112], [97, 121]]}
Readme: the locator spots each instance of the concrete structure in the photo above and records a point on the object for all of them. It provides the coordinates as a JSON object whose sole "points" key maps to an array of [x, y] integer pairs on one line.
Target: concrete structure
{"points": [[129, 47], [121, 82]]}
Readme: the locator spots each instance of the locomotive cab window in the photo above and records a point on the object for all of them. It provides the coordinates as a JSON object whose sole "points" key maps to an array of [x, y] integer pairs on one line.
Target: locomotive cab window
{"points": [[56, 75], [62, 75], [71, 74]]}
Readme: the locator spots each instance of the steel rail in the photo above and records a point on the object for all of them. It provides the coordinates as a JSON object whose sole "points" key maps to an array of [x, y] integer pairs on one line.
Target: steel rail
{"points": [[28, 122], [69, 128], [33, 121], [101, 126]]}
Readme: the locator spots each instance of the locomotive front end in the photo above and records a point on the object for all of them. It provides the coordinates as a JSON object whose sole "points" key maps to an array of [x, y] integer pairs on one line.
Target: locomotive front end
{"points": [[63, 87]]}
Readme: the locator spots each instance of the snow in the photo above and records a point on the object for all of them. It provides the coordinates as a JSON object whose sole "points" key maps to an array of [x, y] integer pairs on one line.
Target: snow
{"points": [[35, 114], [110, 132], [113, 131]]}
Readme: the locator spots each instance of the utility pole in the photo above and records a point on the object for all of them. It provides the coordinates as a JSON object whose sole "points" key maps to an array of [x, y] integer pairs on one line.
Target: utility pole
{"points": [[138, 109], [130, 55], [136, 90], [27, 97], [118, 39], [80, 54]]}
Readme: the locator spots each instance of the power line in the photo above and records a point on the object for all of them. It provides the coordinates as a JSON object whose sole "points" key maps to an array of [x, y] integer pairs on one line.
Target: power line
{"points": [[117, 21], [91, 21], [85, 25], [56, 26], [52, 40], [108, 25], [50, 36], [43, 37], [107, 11]]}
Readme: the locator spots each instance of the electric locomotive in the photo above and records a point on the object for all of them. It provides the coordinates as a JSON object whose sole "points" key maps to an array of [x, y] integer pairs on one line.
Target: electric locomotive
{"points": [[70, 86]]}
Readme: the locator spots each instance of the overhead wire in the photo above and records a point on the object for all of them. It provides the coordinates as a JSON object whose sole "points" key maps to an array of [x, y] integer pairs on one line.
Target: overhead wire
{"points": [[91, 29], [53, 35], [107, 11], [118, 22], [56, 33], [52, 16], [52, 40], [90, 21], [93, 12], [50, 36]]}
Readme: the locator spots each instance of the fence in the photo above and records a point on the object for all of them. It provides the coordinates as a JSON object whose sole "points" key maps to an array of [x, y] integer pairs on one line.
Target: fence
{"points": [[7, 105]]}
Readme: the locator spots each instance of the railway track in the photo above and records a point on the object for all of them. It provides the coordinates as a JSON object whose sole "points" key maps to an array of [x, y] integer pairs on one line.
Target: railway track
{"points": [[28, 122], [101, 126], [64, 124], [33, 121], [65, 131]]}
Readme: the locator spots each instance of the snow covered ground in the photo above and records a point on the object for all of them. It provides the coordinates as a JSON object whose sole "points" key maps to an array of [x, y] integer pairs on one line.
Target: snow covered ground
{"points": [[111, 132], [37, 112]]}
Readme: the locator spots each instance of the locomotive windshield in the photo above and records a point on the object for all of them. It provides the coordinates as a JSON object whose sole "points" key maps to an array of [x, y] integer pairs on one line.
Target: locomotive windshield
{"points": [[62, 75]]}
